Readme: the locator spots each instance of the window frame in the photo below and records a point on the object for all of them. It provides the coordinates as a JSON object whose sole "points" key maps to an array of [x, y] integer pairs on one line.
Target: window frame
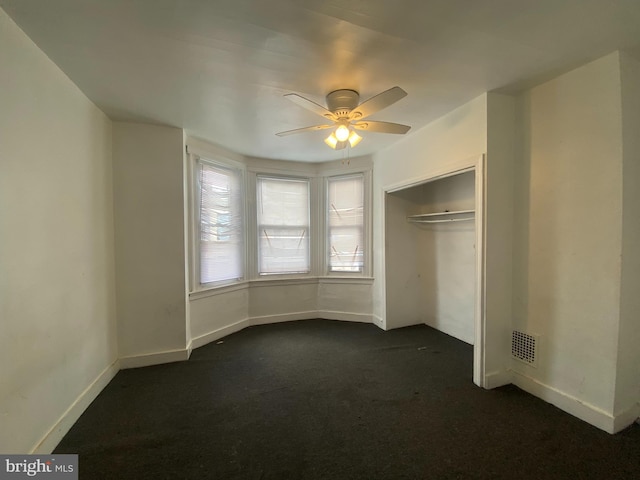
{"points": [[328, 228], [194, 215], [367, 267], [310, 225]]}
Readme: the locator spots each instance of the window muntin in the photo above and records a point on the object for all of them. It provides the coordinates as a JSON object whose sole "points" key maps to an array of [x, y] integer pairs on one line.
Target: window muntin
{"points": [[345, 223], [220, 225], [283, 225]]}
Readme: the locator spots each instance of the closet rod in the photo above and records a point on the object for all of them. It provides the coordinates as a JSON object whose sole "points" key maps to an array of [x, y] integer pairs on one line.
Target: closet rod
{"points": [[435, 214], [414, 220]]}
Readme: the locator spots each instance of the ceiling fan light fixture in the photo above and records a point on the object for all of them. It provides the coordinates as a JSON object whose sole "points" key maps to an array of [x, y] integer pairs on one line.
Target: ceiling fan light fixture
{"points": [[331, 140], [354, 139], [342, 133]]}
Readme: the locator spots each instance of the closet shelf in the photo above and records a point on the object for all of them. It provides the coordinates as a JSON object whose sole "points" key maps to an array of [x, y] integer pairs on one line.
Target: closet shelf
{"points": [[456, 216]]}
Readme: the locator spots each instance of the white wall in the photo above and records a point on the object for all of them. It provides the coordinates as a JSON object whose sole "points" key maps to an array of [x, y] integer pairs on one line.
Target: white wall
{"points": [[219, 312], [350, 299], [405, 292], [274, 299], [444, 145], [568, 237], [628, 362], [149, 234], [448, 268], [57, 301], [499, 190]]}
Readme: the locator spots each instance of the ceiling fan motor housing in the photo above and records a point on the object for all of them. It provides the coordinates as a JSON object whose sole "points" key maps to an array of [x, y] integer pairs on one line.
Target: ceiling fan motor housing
{"points": [[341, 102]]}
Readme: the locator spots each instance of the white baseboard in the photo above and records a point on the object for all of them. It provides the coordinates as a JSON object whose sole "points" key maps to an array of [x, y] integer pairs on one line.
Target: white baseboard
{"points": [[277, 318], [51, 439], [344, 316], [219, 333], [570, 404], [156, 358], [497, 379], [312, 314], [284, 317], [623, 419], [379, 322]]}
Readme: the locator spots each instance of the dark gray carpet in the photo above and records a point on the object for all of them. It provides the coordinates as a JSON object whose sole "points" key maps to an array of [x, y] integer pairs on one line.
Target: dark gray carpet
{"points": [[318, 399]]}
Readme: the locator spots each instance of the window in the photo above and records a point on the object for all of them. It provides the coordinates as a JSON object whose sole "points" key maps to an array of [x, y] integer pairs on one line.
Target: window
{"points": [[253, 221], [345, 225], [220, 223], [283, 225]]}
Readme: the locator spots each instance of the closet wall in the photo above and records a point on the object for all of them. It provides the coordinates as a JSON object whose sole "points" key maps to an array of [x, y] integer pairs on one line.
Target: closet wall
{"points": [[431, 266]]}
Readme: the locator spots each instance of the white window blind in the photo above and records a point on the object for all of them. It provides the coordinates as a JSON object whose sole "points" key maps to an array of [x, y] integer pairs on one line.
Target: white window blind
{"points": [[346, 223], [283, 225], [221, 223]]}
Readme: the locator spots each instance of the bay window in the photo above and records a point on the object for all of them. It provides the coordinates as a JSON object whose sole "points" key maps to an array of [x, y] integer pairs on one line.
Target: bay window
{"points": [[250, 221]]}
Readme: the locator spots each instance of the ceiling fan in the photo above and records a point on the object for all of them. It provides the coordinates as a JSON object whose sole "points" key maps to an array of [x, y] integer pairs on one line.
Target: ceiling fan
{"points": [[347, 115]]}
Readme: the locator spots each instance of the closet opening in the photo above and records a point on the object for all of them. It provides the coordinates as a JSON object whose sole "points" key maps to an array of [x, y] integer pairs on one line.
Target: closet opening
{"points": [[434, 257]]}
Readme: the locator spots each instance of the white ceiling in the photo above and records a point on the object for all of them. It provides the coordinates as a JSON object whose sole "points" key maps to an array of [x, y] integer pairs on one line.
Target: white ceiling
{"points": [[220, 68]]}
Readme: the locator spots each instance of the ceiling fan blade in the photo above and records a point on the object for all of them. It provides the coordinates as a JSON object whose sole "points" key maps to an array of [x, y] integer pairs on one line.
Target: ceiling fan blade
{"points": [[382, 127], [309, 105], [377, 103], [305, 129]]}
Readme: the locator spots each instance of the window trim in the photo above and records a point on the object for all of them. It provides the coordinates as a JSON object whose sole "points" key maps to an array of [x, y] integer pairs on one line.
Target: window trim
{"points": [[367, 267], [327, 227], [194, 220], [311, 230]]}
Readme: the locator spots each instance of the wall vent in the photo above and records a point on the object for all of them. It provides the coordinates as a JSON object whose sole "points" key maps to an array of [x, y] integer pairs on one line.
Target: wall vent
{"points": [[524, 347]]}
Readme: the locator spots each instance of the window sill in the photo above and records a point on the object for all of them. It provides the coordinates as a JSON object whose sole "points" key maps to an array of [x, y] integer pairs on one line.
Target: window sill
{"points": [[270, 281], [218, 290], [279, 282], [346, 279]]}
